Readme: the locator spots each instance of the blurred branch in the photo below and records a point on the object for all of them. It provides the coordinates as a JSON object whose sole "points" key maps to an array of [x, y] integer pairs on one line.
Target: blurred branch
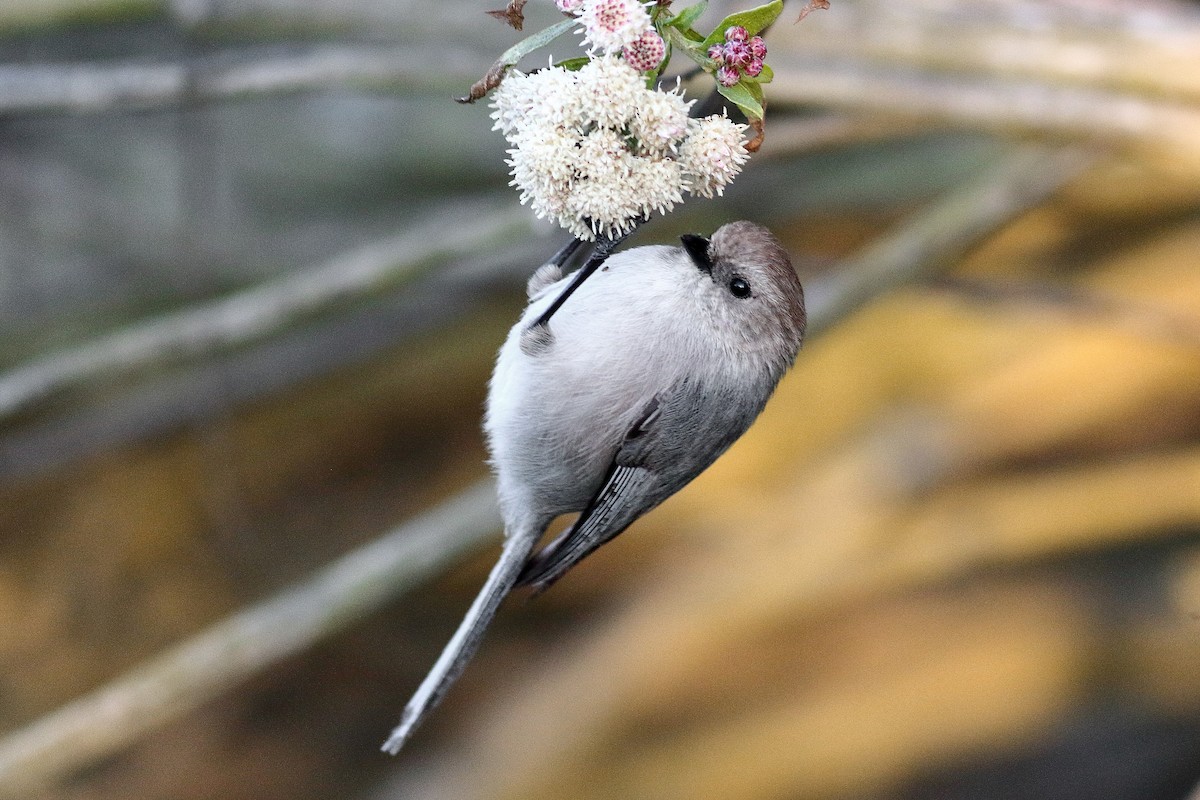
{"points": [[221, 373], [1156, 323], [928, 241], [1107, 69], [90, 87], [790, 135], [185, 676], [1150, 47], [18, 14], [1104, 68], [990, 102], [114, 716], [258, 312]]}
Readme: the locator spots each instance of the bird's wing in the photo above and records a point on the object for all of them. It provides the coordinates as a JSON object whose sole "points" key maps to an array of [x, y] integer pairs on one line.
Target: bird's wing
{"points": [[678, 434], [626, 495]]}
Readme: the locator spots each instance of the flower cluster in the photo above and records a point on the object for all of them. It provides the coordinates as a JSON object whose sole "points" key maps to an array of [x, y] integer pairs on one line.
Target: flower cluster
{"points": [[595, 150], [715, 152], [739, 53]]}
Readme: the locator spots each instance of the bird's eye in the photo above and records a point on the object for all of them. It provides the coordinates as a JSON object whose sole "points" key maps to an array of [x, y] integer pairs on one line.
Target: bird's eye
{"points": [[739, 287]]}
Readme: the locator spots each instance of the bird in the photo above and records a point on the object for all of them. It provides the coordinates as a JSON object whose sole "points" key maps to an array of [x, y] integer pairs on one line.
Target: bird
{"points": [[642, 378]]}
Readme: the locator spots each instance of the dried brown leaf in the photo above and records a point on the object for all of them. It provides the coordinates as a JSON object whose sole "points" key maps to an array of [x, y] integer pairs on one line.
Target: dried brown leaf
{"points": [[813, 5], [513, 14], [485, 84], [760, 133]]}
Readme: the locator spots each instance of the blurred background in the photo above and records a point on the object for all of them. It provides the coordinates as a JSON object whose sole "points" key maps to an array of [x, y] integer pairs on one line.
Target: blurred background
{"points": [[254, 267]]}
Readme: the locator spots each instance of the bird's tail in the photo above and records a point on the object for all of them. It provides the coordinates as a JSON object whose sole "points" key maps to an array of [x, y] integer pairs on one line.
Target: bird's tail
{"points": [[462, 646]]}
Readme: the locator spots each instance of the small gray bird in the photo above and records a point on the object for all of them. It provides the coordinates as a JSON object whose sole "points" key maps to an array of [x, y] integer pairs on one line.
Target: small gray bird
{"points": [[651, 370]]}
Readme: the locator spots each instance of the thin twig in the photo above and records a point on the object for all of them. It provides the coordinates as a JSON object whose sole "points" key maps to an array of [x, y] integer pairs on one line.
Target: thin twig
{"points": [[184, 676], [265, 309]]}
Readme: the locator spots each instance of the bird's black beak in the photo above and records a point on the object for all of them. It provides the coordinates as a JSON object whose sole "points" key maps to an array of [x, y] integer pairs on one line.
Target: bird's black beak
{"points": [[697, 247]]}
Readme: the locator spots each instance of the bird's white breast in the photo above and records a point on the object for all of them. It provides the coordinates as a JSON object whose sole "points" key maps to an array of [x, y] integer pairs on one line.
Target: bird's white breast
{"points": [[630, 331]]}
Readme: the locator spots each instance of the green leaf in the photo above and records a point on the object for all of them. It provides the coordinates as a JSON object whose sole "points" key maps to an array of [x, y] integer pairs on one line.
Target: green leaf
{"points": [[514, 54], [743, 98], [574, 64], [540, 39], [753, 20], [767, 75], [754, 87], [688, 16]]}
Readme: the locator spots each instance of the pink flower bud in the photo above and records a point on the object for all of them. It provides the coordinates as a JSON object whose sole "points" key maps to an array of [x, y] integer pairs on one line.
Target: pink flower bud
{"points": [[736, 33], [645, 52], [758, 48], [717, 54], [728, 76], [737, 54], [754, 67]]}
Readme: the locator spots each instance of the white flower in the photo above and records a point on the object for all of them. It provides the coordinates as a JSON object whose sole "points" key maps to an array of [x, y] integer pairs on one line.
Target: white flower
{"points": [[712, 154], [613, 194], [512, 102], [657, 183], [609, 91], [569, 6], [544, 163], [610, 25], [601, 151], [660, 121], [550, 95], [604, 202]]}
